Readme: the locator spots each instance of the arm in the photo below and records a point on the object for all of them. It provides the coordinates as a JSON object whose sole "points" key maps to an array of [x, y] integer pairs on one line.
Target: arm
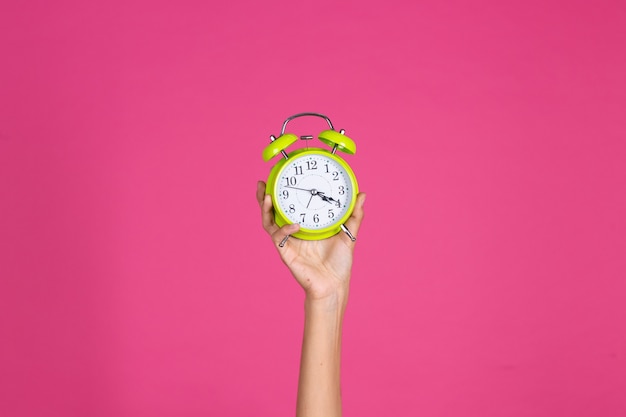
{"points": [[322, 268], [319, 390]]}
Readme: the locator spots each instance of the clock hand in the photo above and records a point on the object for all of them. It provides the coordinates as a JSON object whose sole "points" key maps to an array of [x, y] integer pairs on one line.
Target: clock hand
{"points": [[337, 202], [313, 192], [329, 199], [301, 189]]}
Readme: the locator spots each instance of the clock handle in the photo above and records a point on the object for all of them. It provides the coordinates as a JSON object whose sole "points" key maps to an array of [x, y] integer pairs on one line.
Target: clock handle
{"points": [[295, 116], [336, 140]]}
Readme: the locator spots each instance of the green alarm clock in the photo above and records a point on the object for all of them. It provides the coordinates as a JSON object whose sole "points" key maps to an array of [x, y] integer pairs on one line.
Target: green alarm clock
{"points": [[311, 186]]}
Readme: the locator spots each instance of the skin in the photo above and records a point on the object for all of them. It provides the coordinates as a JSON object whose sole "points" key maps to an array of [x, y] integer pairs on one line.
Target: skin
{"points": [[322, 268]]}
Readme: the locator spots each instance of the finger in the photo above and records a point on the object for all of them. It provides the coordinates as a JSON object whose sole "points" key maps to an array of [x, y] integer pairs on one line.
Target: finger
{"points": [[260, 192], [280, 236], [354, 222], [267, 215]]}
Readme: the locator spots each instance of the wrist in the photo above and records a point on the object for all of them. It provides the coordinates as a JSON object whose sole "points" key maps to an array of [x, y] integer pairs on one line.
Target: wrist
{"points": [[334, 301]]}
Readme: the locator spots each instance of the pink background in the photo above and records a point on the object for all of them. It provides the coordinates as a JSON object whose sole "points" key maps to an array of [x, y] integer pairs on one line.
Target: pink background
{"points": [[490, 275]]}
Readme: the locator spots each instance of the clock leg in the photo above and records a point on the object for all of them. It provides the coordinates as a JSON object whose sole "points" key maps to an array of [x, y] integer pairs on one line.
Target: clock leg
{"points": [[282, 242], [350, 235]]}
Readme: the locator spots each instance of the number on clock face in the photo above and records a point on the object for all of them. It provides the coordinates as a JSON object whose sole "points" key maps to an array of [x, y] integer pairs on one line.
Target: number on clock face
{"points": [[314, 190]]}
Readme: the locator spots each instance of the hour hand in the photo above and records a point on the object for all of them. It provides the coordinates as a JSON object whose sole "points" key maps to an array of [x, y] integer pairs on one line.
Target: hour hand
{"points": [[329, 199]]}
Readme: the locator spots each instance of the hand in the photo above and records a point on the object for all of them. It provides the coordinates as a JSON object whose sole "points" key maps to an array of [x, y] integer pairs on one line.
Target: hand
{"points": [[321, 267]]}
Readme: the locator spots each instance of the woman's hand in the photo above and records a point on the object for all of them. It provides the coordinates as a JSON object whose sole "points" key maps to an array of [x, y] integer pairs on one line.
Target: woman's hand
{"points": [[321, 267]]}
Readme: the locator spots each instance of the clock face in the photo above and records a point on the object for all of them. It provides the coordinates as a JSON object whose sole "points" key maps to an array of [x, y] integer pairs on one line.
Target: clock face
{"points": [[314, 190]]}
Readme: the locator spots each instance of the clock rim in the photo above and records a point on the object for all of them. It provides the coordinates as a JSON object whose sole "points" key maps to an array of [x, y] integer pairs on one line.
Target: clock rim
{"points": [[282, 219]]}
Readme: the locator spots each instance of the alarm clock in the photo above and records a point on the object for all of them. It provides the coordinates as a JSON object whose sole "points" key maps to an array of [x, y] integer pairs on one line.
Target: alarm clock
{"points": [[311, 186]]}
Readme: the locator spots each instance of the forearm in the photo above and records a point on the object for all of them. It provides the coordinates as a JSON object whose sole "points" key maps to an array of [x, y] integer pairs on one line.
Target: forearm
{"points": [[319, 392]]}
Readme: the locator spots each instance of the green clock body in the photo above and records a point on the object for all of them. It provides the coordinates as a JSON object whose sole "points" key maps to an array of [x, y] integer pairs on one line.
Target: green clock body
{"points": [[315, 188]]}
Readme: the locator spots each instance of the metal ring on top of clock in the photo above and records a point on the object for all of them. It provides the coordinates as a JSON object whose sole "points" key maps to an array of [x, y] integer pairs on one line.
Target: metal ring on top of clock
{"points": [[295, 116]]}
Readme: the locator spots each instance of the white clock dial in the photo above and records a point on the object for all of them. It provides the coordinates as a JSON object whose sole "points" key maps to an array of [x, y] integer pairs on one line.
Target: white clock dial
{"points": [[314, 190]]}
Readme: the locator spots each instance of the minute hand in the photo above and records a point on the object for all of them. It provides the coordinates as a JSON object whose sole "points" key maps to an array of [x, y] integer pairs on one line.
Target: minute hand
{"points": [[301, 189]]}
